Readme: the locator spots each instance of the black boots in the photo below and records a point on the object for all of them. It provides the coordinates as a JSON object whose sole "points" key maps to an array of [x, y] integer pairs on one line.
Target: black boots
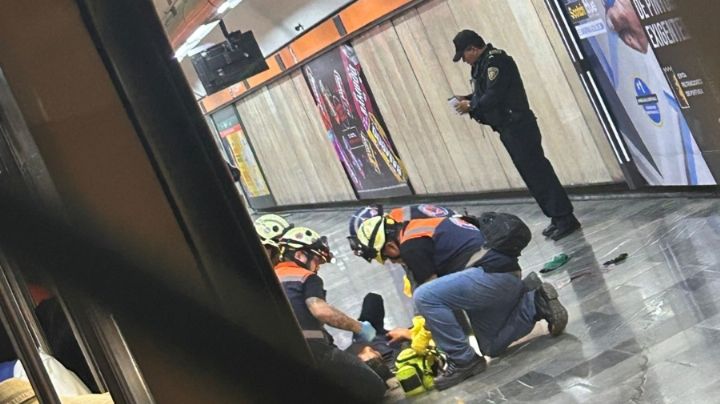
{"points": [[561, 227], [549, 229], [532, 281], [548, 307], [455, 373]]}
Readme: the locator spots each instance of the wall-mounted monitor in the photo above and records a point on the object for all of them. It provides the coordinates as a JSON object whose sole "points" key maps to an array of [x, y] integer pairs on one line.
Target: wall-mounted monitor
{"points": [[229, 62]]}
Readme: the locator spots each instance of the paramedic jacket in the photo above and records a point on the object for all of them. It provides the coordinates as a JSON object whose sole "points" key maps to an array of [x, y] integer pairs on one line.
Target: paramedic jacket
{"points": [[299, 285], [423, 211], [441, 246], [498, 97], [399, 215]]}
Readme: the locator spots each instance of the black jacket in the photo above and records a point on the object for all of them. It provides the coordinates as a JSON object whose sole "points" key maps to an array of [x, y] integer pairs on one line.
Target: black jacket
{"points": [[499, 97]]}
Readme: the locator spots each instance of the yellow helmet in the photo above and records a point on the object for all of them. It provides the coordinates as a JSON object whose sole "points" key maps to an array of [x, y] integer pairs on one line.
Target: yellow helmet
{"points": [[270, 228], [371, 236], [305, 239]]}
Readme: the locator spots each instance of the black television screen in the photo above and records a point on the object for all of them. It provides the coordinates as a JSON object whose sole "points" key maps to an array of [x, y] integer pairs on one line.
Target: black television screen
{"points": [[229, 62]]}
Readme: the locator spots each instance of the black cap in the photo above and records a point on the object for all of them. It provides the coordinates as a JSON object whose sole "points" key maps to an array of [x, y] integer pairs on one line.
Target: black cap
{"points": [[464, 39]]}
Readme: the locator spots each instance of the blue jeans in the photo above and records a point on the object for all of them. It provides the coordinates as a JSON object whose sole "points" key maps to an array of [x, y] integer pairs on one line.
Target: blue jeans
{"points": [[500, 308]]}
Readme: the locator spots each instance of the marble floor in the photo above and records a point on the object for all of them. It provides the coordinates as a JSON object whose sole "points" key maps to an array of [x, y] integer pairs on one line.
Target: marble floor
{"points": [[643, 331]]}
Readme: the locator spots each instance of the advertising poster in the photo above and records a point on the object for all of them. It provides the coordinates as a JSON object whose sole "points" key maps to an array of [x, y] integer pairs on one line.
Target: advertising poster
{"points": [[663, 143], [233, 138], [354, 125], [695, 90]]}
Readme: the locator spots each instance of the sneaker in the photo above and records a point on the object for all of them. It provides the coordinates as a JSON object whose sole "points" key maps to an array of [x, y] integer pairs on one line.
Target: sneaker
{"points": [[455, 373], [564, 227], [549, 230], [549, 308]]}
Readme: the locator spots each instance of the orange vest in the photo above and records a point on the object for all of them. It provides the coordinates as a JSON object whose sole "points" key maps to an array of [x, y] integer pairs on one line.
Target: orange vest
{"points": [[417, 228], [288, 271], [422, 211], [454, 241], [401, 214], [292, 278]]}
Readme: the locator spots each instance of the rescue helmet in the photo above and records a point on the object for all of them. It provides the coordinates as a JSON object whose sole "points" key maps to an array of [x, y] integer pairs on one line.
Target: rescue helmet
{"points": [[362, 215], [305, 239], [356, 220], [372, 236], [270, 228]]}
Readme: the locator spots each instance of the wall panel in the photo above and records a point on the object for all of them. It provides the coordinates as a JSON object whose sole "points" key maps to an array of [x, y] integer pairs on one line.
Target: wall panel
{"points": [[441, 27], [406, 112], [298, 160], [578, 91], [479, 170], [335, 180], [515, 26], [321, 168], [254, 111], [408, 65]]}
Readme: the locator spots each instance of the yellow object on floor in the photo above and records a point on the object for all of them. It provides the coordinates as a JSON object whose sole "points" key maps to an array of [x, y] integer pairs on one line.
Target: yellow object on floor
{"points": [[416, 370], [421, 337]]}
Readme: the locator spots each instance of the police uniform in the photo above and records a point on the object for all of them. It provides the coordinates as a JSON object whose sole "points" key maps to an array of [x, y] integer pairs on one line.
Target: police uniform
{"points": [[484, 284], [499, 101]]}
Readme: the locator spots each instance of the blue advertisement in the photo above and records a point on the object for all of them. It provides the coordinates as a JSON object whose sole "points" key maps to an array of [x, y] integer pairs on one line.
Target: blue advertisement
{"points": [[650, 113]]}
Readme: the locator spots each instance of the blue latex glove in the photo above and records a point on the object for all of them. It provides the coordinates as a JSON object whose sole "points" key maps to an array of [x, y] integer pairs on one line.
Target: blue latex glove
{"points": [[367, 332]]}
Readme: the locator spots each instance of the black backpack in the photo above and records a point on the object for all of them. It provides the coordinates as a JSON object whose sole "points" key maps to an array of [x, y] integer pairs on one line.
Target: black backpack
{"points": [[503, 232]]}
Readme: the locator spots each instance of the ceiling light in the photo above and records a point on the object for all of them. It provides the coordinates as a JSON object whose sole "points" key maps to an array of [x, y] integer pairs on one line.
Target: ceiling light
{"points": [[195, 38], [228, 5], [223, 7]]}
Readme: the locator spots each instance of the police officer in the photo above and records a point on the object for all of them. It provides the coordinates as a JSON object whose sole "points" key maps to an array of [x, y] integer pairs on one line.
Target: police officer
{"points": [[445, 256], [302, 252], [499, 101]]}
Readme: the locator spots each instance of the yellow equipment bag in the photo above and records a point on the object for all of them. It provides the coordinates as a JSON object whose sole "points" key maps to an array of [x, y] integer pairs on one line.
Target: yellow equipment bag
{"points": [[421, 337], [415, 370]]}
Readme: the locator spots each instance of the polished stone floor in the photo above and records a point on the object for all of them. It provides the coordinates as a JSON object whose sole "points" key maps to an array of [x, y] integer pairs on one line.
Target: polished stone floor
{"points": [[643, 331]]}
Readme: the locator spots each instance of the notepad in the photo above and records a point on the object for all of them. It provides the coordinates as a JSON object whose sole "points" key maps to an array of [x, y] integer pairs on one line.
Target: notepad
{"points": [[453, 102]]}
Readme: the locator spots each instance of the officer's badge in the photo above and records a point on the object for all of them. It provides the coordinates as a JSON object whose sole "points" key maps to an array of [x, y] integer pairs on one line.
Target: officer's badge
{"points": [[493, 73]]}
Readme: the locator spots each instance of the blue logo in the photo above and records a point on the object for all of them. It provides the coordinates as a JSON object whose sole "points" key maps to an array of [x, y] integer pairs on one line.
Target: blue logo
{"points": [[647, 100]]}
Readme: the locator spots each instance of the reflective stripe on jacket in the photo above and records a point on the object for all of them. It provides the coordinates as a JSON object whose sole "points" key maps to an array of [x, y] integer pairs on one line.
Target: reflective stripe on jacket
{"points": [[454, 239], [422, 211], [292, 278]]}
